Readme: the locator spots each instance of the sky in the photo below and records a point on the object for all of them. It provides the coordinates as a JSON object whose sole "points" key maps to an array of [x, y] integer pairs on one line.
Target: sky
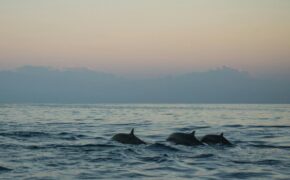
{"points": [[146, 38]]}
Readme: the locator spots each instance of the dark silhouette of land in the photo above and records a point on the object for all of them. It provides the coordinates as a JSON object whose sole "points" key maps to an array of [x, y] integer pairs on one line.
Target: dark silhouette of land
{"points": [[223, 85]]}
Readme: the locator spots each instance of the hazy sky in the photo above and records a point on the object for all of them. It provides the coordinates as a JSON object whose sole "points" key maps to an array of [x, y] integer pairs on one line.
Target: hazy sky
{"points": [[146, 37]]}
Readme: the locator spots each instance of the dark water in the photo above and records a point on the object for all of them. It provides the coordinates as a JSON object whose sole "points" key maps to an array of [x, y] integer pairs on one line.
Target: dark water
{"points": [[73, 142]]}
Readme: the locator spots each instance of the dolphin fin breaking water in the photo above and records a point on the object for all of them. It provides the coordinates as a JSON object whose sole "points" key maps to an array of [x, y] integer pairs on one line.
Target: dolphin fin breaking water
{"points": [[187, 139], [128, 138], [212, 139]]}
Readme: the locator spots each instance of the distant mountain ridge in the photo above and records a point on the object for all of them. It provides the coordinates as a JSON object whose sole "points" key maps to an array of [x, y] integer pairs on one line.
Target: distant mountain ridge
{"points": [[31, 84]]}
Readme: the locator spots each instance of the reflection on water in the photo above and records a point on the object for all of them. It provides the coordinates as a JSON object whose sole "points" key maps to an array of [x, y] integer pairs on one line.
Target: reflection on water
{"points": [[48, 141]]}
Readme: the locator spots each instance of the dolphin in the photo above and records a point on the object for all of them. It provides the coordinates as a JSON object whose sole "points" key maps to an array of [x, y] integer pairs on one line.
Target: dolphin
{"points": [[128, 138], [212, 139], [186, 139]]}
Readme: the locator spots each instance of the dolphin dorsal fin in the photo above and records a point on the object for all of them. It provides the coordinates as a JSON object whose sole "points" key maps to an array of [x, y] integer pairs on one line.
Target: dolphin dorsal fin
{"points": [[222, 134], [132, 132], [192, 133]]}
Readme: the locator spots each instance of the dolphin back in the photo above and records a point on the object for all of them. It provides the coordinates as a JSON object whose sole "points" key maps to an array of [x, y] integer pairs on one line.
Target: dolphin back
{"points": [[213, 139], [184, 139], [128, 138]]}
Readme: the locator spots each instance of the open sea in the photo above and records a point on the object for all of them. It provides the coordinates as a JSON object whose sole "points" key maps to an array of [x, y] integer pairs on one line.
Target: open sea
{"points": [[52, 141]]}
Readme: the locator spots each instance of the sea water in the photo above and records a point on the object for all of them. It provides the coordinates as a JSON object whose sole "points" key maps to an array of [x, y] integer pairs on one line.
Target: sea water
{"points": [[53, 141]]}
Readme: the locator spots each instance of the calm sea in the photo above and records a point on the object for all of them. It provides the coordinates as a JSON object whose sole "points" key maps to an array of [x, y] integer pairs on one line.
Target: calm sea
{"points": [[48, 141]]}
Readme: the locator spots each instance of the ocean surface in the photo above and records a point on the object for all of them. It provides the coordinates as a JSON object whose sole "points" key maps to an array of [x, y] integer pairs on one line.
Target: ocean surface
{"points": [[48, 141]]}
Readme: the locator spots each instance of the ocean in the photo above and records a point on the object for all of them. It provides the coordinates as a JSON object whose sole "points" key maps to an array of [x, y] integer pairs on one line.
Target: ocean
{"points": [[73, 141]]}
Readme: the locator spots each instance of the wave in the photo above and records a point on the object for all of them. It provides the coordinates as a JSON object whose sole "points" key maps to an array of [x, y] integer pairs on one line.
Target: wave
{"points": [[256, 126], [191, 128], [260, 162], [203, 156], [71, 146], [158, 159], [268, 162], [38, 134], [233, 125], [243, 175], [4, 169], [273, 126], [270, 146], [24, 134], [161, 147]]}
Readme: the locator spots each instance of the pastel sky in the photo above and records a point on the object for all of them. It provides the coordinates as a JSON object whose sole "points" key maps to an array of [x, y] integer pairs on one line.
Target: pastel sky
{"points": [[146, 37]]}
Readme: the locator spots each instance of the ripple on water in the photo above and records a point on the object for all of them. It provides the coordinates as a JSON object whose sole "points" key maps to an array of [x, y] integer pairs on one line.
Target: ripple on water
{"points": [[35, 145], [157, 159], [25, 134], [270, 146], [98, 119], [191, 128], [233, 126], [42, 135], [243, 175], [273, 126], [260, 162], [162, 148], [203, 156]]}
